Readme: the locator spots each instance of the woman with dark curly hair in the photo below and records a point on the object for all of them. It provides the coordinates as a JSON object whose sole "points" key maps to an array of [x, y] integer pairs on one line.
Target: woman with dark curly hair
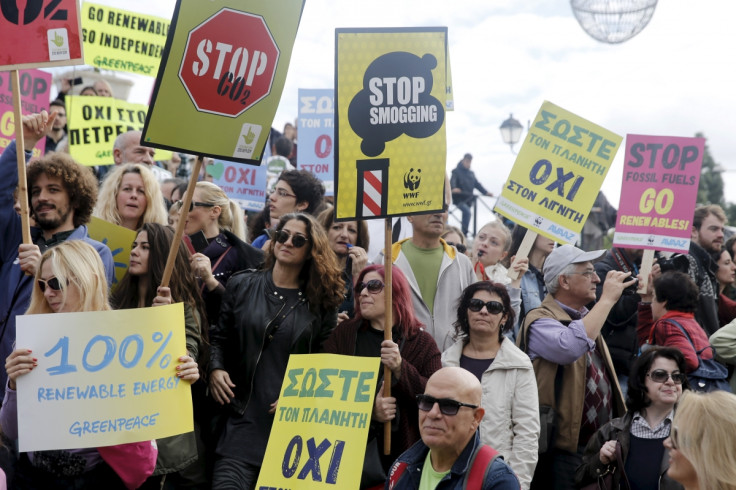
{"points": [[655, 385], [288, 307], [510, 398], [412, 356]]}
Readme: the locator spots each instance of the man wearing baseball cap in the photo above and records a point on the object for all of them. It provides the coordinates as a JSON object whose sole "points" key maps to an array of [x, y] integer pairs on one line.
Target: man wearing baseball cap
{"points": [[578, 389]]}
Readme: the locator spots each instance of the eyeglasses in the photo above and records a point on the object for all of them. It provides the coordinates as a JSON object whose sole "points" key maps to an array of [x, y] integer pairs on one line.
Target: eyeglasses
{"points": [[298, 241], [448, 406], [661, 376], [374, 286], [587, 274], [53, 283], [459, 246], [282, 193], [199, 204], [673, 438], [493, 307]]}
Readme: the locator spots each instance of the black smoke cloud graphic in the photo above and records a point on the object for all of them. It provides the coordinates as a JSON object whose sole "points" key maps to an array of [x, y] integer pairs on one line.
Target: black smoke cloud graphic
{"points": [[395, 65]]}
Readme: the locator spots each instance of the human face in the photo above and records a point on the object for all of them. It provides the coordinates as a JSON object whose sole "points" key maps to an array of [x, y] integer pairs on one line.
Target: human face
{"points": [[710, 234], [341, 234], [200, 217], [372, 305], [467, 162], [131, 200], [681, 469], [483, 323], [544, 244], [447, 433], [489, 246], [60, 120], [133, 152], [282, 200], [428, 225], [659, 308], [66, 300], [103, 88], [663, 395], [287, 253], [50, 204], [139, 255], [726, 269], [582, 282]]}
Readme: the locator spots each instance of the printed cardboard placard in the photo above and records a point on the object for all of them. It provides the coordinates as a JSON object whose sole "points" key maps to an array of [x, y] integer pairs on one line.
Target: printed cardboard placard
{"points": [[390, 117], [320, 428], [36, 33], [35, 87], [659, 192], [103, 378], [246, 185], [557, 174], [118, 239], [122, 40], [223, 73], [316, 135]]}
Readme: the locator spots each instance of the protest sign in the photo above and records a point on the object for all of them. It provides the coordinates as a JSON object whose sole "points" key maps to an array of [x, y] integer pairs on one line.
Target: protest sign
{"points": [[243, 184], [390, 116], [316, 134], [658, 193], [121, 40], [35, 87], [223, 72], [103, 378], [320, 428], [118, 239], [37, 33], [557, 174]]}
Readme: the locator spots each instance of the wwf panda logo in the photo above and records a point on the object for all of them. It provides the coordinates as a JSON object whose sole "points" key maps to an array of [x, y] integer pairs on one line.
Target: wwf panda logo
{"points": [[412, 179]]}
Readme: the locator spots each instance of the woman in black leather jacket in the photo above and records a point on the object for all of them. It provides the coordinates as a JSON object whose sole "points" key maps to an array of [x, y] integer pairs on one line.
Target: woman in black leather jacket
{"points": [[290, 306]]}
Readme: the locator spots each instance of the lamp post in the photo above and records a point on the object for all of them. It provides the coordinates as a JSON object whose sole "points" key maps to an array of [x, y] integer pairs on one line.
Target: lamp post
{"points": [[511, 130]]}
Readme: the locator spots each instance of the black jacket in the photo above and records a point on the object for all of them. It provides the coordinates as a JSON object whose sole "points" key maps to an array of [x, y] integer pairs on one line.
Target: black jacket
{"points": [[464, 178], [239, 337]]}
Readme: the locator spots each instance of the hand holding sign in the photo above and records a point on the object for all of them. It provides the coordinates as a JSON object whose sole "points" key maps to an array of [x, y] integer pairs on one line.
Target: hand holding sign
{"points": [[18, 363], [35, 127]]}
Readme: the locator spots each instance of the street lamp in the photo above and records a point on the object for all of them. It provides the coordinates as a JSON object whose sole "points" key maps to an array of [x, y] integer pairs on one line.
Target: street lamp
{"points": [[613, 21], [511, 130]]}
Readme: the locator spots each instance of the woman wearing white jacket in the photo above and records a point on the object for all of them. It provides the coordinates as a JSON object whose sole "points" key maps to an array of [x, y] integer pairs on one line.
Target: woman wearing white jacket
{"points": [[511, 422]]}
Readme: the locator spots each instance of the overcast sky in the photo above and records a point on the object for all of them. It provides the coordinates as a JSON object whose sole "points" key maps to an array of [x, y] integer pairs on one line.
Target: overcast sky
{"points": [[675, 78]]}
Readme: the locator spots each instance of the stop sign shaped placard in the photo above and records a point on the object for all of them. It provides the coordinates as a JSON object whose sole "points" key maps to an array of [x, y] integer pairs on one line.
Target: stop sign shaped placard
{"points": [[229, 63]]}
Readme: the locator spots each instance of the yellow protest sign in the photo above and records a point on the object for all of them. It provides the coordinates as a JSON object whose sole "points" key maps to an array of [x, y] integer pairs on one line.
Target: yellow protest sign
{"points": [[95, 122], [390, 116], [121, 40], [103, 378], [558, 173], [319, 434], [118, 239]]}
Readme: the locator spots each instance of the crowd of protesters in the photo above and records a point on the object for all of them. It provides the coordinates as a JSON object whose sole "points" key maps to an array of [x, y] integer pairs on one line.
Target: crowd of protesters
{"points": [[569, 371]]}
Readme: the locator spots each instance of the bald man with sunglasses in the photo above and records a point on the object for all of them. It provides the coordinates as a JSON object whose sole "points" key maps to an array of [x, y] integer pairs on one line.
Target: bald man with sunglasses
{"points": [[450, 454]]}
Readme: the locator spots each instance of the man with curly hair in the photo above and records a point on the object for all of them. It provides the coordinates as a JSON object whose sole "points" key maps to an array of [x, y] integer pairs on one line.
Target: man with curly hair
{"points": [[62, 195]]}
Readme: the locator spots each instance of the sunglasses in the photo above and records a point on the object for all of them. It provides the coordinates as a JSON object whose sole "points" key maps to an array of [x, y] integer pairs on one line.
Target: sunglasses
{"points": [[661, 376], [493, 307], [53, 283], [374, 286], [459, 246], [193, 203], [298, 241], [448, 406]]}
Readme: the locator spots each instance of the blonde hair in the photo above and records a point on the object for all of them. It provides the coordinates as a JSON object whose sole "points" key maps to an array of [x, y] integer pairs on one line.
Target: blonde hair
{"points": [[497, 224], [706, 436], [231, 216], [76, 263], [107, 204]]}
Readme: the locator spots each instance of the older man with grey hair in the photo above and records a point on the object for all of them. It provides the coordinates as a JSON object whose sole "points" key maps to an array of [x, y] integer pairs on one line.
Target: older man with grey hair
{"points": [[578, 389]]}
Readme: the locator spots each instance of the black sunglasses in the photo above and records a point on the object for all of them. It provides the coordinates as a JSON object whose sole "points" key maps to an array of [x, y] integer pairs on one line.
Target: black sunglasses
{"points": [[493, 307], [374, 286], [459, 246], [193, 203], [53, 283], [298, 241], [448, 406], [661, 376]]}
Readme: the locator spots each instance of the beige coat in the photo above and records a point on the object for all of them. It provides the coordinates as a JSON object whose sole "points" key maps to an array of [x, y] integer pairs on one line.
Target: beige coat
{"points": [[511, 422]]}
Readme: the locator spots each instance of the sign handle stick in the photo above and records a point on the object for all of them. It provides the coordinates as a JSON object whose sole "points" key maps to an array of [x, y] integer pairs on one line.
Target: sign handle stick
{"points": [[526, 246], [184, 212], [647, 261], [20, 150], [387, 328]]}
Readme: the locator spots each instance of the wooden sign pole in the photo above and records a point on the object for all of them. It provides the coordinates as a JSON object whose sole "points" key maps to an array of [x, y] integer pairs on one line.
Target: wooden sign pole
{"points": [[387, 328], [20, 150], [526, 246]]}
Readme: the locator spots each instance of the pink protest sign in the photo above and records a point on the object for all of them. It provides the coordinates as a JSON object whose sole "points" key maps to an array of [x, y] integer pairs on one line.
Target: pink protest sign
{"points": [[658, 194], [35, 87]]}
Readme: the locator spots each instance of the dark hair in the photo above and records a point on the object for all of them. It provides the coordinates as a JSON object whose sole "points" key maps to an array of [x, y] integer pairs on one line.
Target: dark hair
{"points": [[327, 219], [284, 146], [677, 290], [79, 183], [702, 212], [306, 187], [729, 245], [320, 276], [181, 188], [517, 236], [57, 103], [462, 327], [637, 397]]}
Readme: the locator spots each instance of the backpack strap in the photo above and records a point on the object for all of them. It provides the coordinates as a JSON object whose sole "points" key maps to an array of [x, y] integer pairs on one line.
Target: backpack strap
{"points": [[482, 461], [689, 339]]}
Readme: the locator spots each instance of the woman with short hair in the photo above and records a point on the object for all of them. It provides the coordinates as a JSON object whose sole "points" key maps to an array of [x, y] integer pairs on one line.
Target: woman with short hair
{"points": [[130, 196]]}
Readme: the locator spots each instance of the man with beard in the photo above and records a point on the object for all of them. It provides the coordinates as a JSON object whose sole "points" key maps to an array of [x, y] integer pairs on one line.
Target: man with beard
{"points": [[62, 195]]}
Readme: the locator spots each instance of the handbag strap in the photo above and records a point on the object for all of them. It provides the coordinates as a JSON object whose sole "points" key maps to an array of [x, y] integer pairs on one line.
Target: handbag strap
{"points": [[624, 481], [689, 339]]}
